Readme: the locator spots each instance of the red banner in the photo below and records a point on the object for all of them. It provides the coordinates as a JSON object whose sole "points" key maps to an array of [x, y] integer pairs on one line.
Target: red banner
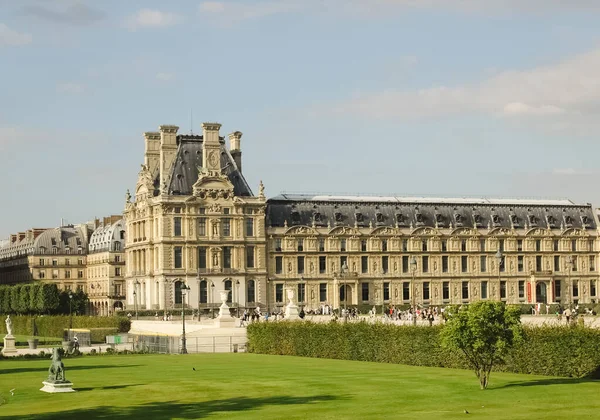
{"points": [[528, 292]]}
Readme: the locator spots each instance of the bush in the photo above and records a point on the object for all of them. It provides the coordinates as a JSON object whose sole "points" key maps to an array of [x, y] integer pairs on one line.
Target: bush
{"points": [[556, 351], [54, 325]]}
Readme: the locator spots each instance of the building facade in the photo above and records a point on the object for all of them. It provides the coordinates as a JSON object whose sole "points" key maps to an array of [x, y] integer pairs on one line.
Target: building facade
{"points": [[194, 221], [106, 267]]}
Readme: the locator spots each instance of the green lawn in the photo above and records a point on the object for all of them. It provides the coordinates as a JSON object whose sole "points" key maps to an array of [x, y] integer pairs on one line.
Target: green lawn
{"points": [[247, 386]]}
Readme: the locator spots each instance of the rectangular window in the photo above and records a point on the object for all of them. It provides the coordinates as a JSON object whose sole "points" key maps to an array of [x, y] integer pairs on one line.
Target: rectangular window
{"points": [[249, 226], [484, 290], [483, 263], [322, 264], [424, 245], [592, 263], [444, 245], [322, 292], [501, 245], [557, 289], [364, 264], [67, 274], [301, 292], [42, 262], [386, 291], [405, 263], [225, 211], [425, 264], [249, 257], [426, 290], [446, 290], [521, 289], [80, 274], [177, 226], [482, 245], [300, 245], [202, 257], [54, 274], [574, 263], [300, 265], [463, 245], [80, 261], [593, 288], [178, 257], [67, 262], [343, 261], [363, 245], [520, 263], [278, 265], [278, 244], [342, 245], [575, 289], [117, 258], [465, 290], [574, 245], [202, 226], [538, 245], [226, 227], [226, 257], [464, 264], [177, 210], [117, 271], [54, 263], [365, 291], [384, 245], [538, 263], [444, 264], [279, 293], [502, 290], [42, 275], [385, 264], [321, 244], [519, 245], [556, 263], [556, 244], [405, 290], [404, 245]]}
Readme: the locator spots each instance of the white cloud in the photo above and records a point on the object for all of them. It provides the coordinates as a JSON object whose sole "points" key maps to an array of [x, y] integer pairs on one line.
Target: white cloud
{"points": [[148, 18], [232, 12], [70, 88], [568, 92], [8, 37], [165, 77]]}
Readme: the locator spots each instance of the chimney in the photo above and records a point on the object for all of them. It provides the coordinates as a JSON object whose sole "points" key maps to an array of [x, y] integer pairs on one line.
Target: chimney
{"points": [[168, 151], [13, 239], [152, 153], [211, 147], [21, 236], [234, 148]]}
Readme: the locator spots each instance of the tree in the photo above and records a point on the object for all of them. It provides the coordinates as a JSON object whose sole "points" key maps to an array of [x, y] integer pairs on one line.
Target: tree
{"points": [[48, 298], [484, 332]]}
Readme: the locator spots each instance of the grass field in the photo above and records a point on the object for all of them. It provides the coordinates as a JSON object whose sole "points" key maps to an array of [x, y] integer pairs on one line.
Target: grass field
{"points": [[248, 386]]}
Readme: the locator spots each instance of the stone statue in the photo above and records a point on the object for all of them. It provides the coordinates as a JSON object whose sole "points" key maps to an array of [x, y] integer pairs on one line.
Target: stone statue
{"points": [[261, 189], [56, 372], [128, 197], [8, 325]]}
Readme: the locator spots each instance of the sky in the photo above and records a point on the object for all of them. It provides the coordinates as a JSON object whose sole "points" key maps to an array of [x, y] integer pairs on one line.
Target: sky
{"points": [[492, 98]]}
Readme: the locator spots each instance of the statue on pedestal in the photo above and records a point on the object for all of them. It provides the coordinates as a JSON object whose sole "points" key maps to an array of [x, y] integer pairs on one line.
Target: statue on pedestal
{"points": [[56, 372], [8, 326]]}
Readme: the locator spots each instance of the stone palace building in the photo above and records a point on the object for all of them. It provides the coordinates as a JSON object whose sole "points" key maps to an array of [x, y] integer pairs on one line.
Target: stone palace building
{"points": [[195, 221]]}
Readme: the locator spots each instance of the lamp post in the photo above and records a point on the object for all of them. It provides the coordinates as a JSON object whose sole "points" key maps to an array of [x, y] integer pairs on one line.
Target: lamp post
{"points": [[413, 269], [344, 273], [184, 288], [569, 285], [135, 286], [212, 291], [237, 286], [303, 288], [70, 312], [499, 257]]}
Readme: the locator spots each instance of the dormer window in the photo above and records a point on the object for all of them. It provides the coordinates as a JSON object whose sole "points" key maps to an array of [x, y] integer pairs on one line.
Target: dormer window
{"points": [[585, 222], [53, 240], [439, 219], [532, 220], [379, 217], [359, 217], [400, 218], [295, 216], [317, 216], [477, 219], [458, 219], [568, 221], [338, 216], [551, 221], [495, 219], [514, 220]]}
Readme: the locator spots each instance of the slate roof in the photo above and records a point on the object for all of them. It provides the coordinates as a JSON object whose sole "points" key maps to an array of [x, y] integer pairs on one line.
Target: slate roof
{"points": [[302, 209], [184, 173], [61, 238], [106, 237]]}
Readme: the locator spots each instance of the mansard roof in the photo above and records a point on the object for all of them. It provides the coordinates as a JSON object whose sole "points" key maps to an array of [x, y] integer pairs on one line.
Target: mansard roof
{"points": [[108, 238], [62, 240], [184, 172], [375, 211]]}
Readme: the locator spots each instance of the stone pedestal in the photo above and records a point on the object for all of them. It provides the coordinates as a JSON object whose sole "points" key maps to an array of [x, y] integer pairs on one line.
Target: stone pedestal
{"points": [[9, 346], [224, 320], [291, 309], [57, 387]]}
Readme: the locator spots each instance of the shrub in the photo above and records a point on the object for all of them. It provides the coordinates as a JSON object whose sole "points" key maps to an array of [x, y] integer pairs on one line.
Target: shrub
{"points": [[54, 325]]}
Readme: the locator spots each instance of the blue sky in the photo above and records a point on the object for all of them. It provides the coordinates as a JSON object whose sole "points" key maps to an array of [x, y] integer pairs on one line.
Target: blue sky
{"points": [[413, 97]]}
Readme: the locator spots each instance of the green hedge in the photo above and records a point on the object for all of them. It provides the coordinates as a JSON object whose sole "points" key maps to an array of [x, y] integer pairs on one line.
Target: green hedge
{"points": [[555, 351], [54, 325], [98, 335]]}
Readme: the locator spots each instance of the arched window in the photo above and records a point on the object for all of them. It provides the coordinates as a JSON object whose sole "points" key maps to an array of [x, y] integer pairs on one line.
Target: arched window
{"points": [[203, 292], [342, 293], [228, 287], [178, 285], [250, 292]]}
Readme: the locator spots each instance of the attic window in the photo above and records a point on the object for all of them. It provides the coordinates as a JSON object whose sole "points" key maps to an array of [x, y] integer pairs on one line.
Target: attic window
{"points": [[359, 217], [338, 216], [53, 240], [514, 220], [551, 221], [568, 221], [495, 219], [317, 216], [295, 216], [585, 221], [379, 218], [532, 220], [439, 218], [477, 220], [399, 218], [419, 218]]}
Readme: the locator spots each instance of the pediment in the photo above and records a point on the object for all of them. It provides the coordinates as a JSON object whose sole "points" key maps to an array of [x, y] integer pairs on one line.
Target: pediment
{"points": [[301, 230], [214, 185]]}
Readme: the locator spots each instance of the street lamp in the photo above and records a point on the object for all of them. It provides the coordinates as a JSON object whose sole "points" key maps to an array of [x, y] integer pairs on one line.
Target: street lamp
{"points": [[184, 288], [237, 286], [344, 274], [569, 285], [135, 285], [303, 289], [413, 269], [499, 257], [212, 292], [70, 313]]}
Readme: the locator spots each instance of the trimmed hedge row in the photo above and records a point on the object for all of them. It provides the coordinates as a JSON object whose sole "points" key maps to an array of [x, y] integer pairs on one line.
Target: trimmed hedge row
{"points": [[555, 351], [54, 325]]}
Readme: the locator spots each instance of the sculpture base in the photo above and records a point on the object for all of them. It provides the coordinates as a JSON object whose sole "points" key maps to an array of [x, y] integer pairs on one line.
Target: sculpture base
{"points": [[53, 388], [291, 312], [9, 346], [225, 321]]}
